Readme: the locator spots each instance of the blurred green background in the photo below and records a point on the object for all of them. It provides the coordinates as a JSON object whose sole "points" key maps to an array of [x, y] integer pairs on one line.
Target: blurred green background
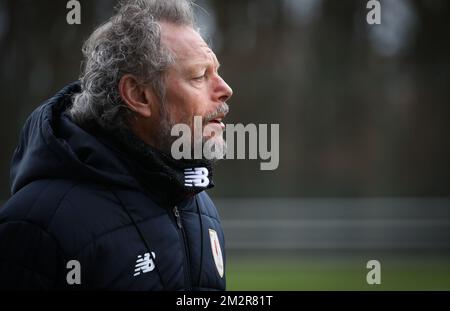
{"points": [[325, 244], [347, 274], [364, 121]]}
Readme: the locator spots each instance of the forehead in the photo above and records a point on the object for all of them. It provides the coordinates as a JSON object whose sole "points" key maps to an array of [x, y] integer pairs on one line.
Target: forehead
{"points": [[186, 44]]}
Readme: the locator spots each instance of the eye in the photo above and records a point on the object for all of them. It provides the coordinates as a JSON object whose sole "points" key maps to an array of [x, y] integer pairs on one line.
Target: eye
{"points": [[200, 78]]}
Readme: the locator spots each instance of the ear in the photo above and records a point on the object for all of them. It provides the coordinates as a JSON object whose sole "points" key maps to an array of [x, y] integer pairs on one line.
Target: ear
{"points": [[139, 98]]}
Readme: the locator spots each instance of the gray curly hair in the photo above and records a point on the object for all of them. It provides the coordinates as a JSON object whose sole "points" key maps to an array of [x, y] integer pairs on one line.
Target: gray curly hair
{"points": [[128, 43]]}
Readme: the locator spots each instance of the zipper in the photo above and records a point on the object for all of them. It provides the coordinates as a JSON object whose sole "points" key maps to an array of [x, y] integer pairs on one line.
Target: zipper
{"points": [[187, 266]]}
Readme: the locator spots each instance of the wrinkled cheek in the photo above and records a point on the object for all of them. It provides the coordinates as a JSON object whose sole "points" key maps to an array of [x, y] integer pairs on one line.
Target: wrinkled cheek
{"points": [[185, 103], [179, 113]]}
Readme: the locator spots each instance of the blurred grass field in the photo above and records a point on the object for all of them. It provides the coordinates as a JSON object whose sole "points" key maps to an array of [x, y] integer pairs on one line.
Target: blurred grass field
{"points": [[288, 273]]}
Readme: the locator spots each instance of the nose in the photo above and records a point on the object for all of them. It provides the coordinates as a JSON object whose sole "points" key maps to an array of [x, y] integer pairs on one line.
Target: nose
{"points": [[223, 90]]}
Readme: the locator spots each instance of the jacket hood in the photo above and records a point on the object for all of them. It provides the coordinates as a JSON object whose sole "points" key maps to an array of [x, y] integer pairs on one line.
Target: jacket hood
{"points": [[51, 146]]}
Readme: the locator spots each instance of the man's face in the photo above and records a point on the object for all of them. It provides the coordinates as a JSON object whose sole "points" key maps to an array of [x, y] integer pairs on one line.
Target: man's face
{"points": [[193, 84]]}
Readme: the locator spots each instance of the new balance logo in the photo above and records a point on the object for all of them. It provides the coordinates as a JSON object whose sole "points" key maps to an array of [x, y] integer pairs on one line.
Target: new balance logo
{"points": [[144, 264], [196, 177]]}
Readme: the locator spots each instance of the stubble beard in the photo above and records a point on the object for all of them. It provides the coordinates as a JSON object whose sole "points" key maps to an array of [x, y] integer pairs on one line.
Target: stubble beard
{"points": [[165, 139]]}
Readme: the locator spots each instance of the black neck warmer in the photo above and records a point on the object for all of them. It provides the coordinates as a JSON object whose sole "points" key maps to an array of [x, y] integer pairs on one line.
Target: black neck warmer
{"points": [[167, 180]]}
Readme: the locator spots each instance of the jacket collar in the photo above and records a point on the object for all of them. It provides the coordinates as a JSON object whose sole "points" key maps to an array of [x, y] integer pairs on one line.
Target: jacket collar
{"points": [[167, 180]]}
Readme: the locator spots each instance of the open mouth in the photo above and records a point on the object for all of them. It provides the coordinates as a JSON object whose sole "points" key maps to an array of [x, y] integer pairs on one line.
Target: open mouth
{"points": [[218, 120]]}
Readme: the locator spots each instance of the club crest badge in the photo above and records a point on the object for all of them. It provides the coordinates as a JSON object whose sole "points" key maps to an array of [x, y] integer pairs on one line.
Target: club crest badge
{"points": [[216, 251]]}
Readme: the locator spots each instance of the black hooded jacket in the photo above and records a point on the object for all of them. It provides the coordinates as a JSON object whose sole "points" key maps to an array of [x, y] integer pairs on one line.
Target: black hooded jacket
{"points": [[106, 211]]}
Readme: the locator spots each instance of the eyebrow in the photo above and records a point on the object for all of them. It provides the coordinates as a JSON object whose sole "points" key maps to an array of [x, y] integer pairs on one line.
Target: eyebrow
{"points": [[202, 64]]}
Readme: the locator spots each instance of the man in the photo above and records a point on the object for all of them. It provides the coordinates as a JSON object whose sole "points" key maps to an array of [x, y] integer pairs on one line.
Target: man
{"points": [[98, 200]]}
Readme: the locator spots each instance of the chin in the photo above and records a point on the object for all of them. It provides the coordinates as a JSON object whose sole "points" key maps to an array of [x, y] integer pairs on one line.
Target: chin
{"points": [[216, 141]]}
